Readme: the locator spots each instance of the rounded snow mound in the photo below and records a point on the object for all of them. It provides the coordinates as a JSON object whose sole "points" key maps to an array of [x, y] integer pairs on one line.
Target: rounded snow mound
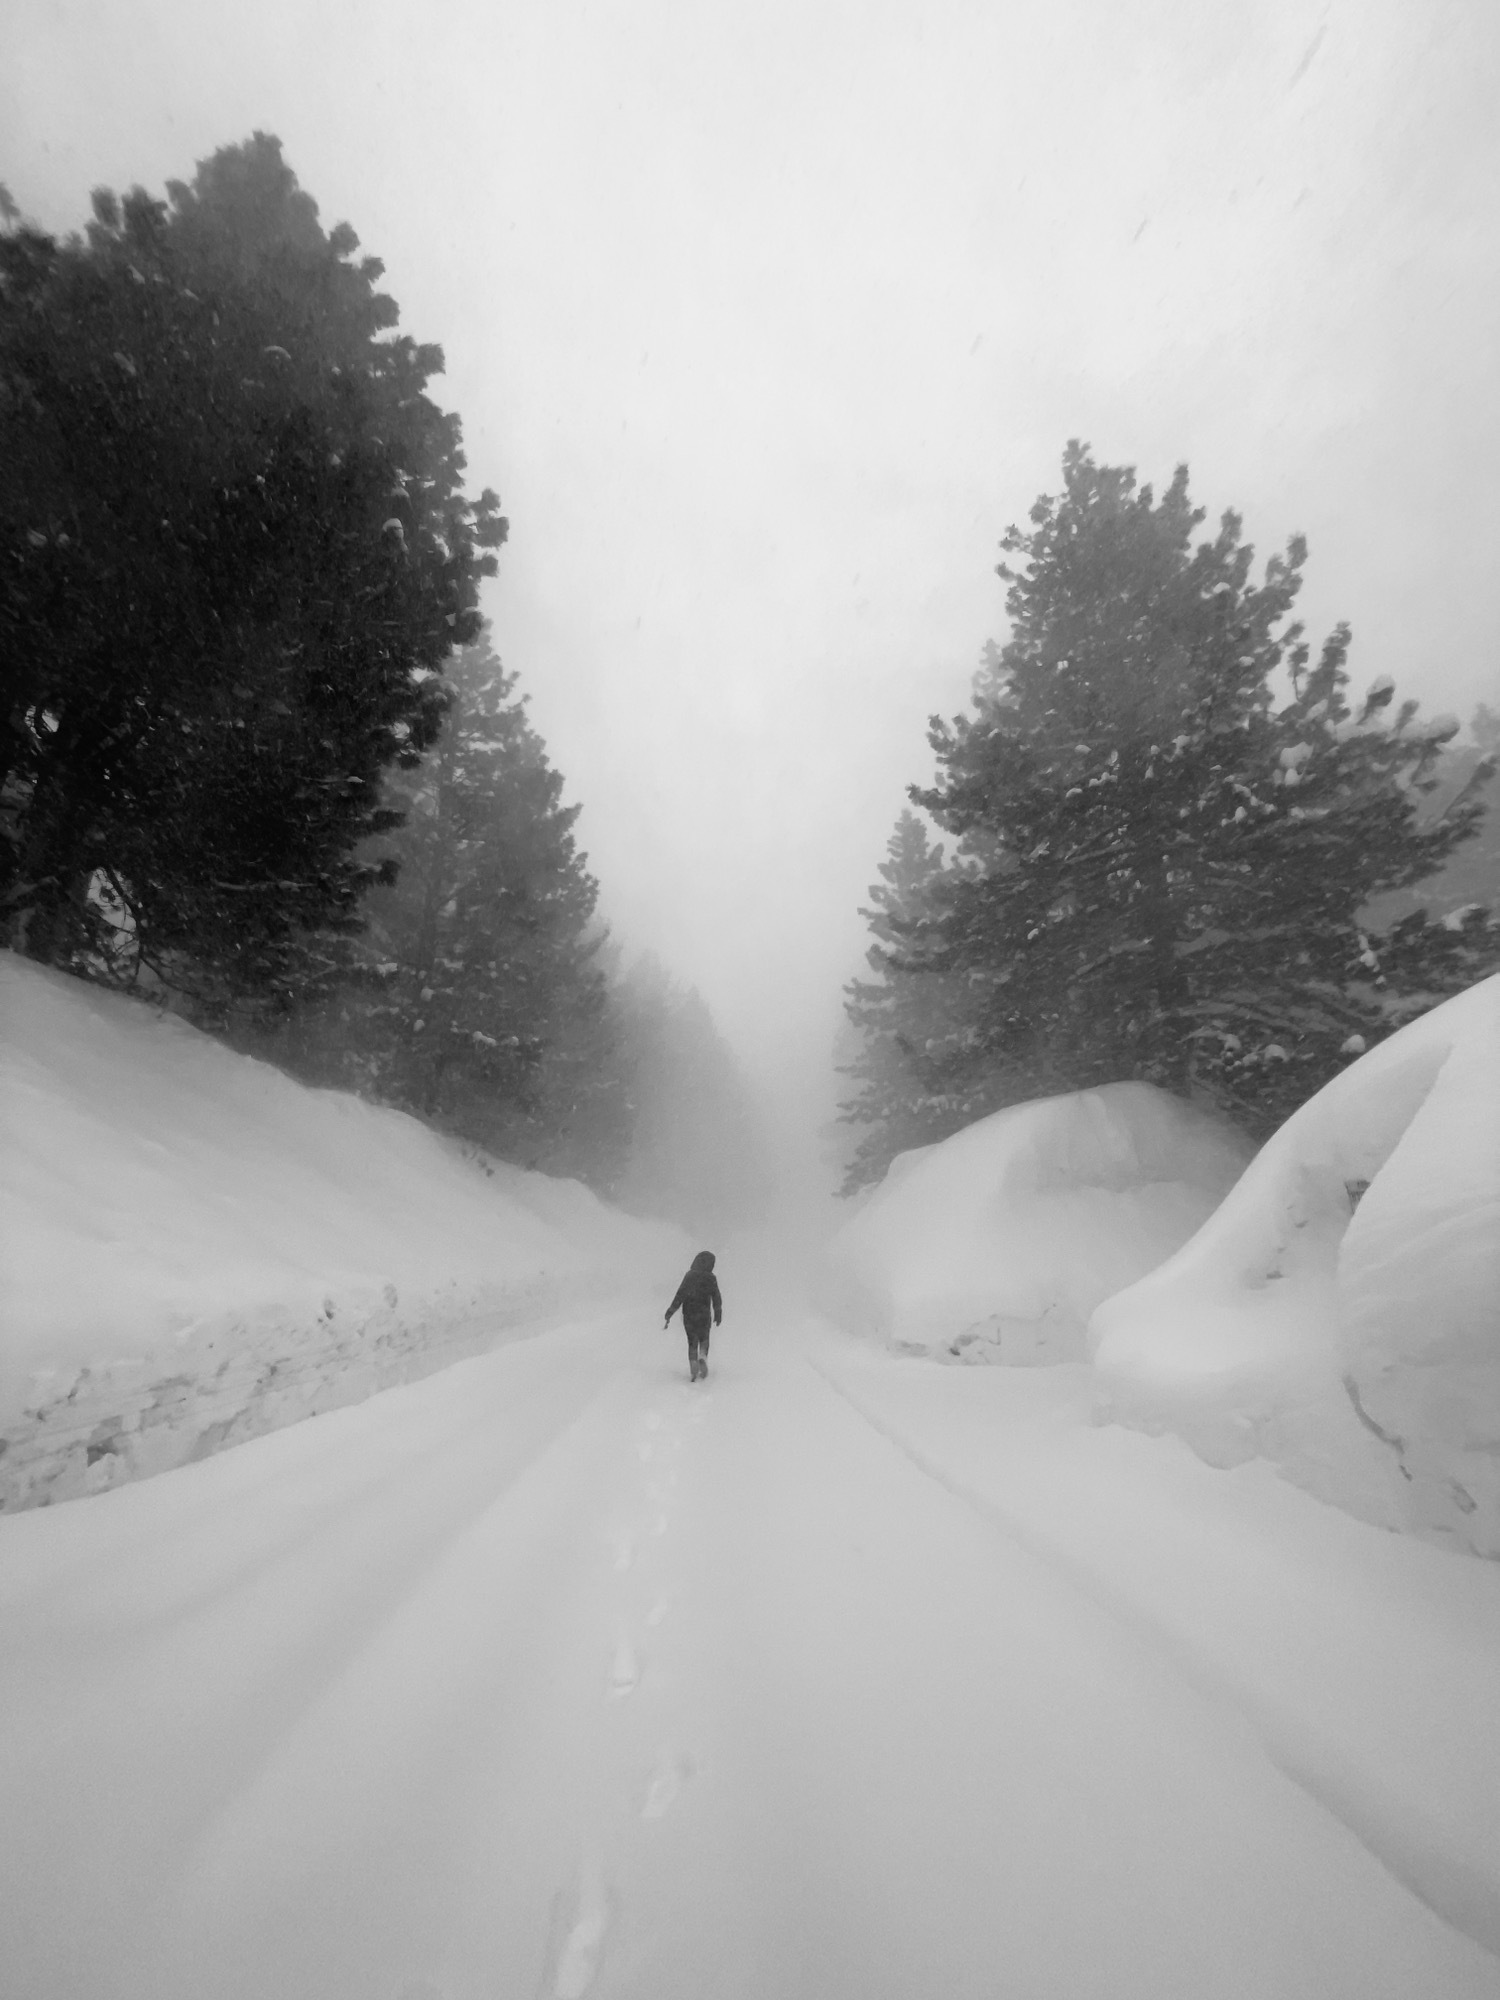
{"points": [[1340, 1314], [998, 1243]]}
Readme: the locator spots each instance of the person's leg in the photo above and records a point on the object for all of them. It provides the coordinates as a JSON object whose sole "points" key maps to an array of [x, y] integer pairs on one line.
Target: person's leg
{"points": [[697, 1333]]}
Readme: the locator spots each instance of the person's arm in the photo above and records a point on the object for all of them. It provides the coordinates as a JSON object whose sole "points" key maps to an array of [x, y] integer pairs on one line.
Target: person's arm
{"points": [[718, 1302], [676, 1302]]}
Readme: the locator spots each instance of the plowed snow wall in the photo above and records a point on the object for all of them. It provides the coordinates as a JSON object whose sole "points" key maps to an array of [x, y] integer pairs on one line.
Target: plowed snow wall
{"points": [[83, 1430]]}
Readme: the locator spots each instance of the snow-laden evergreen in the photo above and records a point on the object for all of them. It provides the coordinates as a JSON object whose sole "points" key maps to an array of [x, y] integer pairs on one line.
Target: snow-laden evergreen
{"points": [[1169, 821], [474, 995], [236, 546], [901, 1016]]}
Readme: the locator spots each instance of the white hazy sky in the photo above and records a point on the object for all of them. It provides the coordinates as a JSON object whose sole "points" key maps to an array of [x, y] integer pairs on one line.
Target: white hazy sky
{"points": [[765, 320]]}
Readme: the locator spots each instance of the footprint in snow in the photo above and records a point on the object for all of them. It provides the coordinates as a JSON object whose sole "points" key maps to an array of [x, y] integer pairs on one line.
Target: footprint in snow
{"points": [[624, 1552], [657, 1612], [582, 1943], [625, 1672], [671, 1775]]}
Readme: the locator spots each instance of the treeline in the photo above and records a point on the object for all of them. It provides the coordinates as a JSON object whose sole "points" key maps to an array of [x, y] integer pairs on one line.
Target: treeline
{"points": [[1178, 850], [258, 755], [483, 994]]}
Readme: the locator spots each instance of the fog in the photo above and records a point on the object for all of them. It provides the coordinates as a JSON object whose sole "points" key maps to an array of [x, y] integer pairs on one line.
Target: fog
{"points": [[765, 322]]}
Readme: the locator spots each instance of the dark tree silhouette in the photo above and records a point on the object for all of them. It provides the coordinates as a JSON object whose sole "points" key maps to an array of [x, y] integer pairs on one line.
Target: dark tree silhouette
{"points": [[1161, 872], [236, 551]]}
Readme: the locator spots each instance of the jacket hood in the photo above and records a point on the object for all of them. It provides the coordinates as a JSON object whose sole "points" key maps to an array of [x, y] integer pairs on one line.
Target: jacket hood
{"points": [[704, 1261]]}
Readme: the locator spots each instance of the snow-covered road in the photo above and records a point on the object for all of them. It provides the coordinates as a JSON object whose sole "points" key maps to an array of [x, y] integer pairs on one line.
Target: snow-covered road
{"points": [[553, 1675]]}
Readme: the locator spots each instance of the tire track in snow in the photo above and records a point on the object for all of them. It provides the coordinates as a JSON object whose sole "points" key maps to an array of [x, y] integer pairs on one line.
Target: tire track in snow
{"points": [[1464, 1899], [137, 1534], [335, 1643]]}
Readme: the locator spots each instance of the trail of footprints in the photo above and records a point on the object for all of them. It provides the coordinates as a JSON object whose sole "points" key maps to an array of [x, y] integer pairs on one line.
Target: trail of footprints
{"points": [[585, 1911]]}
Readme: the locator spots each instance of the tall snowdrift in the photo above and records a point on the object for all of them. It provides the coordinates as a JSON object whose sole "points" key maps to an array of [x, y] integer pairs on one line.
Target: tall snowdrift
{"points": [[1340, 1314], [998, 1243], [194, 1247]]}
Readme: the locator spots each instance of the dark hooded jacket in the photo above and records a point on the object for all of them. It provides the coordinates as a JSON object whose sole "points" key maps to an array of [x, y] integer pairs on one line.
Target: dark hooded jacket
{"points": [[698, 1294]]}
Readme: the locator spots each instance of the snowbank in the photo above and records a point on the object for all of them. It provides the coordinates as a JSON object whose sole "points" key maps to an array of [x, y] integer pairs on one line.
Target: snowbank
{"points": [[194, 1248], [998, 1243], [1340, 1314]]}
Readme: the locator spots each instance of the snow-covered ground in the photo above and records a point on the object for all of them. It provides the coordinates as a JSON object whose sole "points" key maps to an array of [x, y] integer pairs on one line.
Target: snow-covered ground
{"points": [[194, 1248], [841, 1676], [551, 1675]]}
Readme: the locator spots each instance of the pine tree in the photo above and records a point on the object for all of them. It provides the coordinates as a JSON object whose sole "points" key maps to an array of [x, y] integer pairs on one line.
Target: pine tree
{"points": [[697, 1153], [580, 1121], [481, 1003], [909, 1019], [236, 549], [1166, 869], [1471, 874]]}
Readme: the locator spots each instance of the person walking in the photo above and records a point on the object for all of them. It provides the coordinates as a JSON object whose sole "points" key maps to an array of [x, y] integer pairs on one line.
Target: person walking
{"points": [[698, 1296]]}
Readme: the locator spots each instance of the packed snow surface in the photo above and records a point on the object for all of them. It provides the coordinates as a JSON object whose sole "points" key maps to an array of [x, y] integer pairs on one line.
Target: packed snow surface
{"points": [[999, 1242], [840, 1676], [837, 1677], [1340, 1313], [192, 1242]]}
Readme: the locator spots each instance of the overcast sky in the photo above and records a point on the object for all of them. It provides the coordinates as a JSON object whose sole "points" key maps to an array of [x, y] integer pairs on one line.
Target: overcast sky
{"points": [[765, 320]]}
